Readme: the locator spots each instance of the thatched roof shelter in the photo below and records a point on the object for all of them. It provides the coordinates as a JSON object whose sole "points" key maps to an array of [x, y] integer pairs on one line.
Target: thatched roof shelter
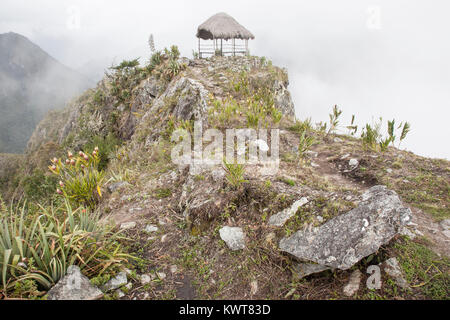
{"points": [[222, 26]]}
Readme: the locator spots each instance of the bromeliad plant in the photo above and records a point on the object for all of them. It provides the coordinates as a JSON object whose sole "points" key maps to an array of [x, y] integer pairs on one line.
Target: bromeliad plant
{"points": [[40, 244], [80, 179]]}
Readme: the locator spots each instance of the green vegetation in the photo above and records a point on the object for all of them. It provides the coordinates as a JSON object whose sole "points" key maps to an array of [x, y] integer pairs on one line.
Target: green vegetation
{"points": [[305, 144], [234, 174], [38, 244], [39, 186], [334, 119], [424, 269], [80, 179], [372, 138]]}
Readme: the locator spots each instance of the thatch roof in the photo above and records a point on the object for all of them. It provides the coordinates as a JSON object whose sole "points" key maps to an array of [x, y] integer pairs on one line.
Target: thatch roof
{"points": [[223, 26]]}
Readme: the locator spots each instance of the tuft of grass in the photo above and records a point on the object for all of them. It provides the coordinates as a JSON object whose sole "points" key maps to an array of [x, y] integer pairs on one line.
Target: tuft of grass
{"points": [[162, 193], [234, 174]]}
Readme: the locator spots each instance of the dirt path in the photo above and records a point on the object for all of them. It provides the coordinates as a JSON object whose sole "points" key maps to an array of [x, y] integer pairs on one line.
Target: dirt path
{"points": [[327, 169]]}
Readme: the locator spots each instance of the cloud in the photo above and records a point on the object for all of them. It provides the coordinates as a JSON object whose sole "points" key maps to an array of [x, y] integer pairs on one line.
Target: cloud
{"points": [[373, 58]]}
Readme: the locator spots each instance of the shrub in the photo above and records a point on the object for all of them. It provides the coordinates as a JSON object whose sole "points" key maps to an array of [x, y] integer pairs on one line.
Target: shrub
{"points": [[41, 245], [106, 148], [80, 178], [372, 137], [334, 119], [39, 186], [305, 143], [234, 174]]}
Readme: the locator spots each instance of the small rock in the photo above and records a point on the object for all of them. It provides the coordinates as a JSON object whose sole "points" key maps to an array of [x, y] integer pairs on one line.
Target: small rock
{"points": [[445, 224], [173, 269], [270, 238], [392, 268], [132, 210], [446, 233], [406, 232], [319, 218], [151, 228], [389, 170], [353, 162], [120, 294], [348, 198], [128, 225], [280, 218], [253, 287], [353, 285], [128, 271], [161, 275], [314, 165], [233, 237], [145, 279], [74, 286], [117, 186], [312, 154], [164, 238], [116, 282], [129, 285]]}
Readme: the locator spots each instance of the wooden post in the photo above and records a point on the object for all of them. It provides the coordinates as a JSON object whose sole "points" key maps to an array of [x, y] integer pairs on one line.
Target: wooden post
{"points": [[199, 52], [234, 50], [246, 46], [221, 47]]}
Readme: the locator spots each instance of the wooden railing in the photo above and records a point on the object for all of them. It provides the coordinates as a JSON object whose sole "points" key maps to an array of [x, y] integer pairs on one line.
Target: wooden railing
{"points": [[220, 47]]}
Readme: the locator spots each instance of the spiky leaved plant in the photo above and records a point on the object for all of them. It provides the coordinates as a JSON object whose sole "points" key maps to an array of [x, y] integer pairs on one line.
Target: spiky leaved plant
{"points": [[334, 119], [40, 244]]}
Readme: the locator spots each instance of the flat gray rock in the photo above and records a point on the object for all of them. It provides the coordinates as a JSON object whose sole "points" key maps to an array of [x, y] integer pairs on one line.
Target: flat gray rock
{"points": [[233, 237], [116, 282], [117, 186], [343, 241], [74, 286], [280, 218]]}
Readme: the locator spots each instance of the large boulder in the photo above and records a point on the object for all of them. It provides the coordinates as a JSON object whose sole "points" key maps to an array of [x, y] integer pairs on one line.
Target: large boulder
{"points": [[346, 239], [74, 286]]}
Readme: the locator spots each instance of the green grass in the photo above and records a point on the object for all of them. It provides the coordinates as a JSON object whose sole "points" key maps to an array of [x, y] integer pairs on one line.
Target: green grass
{"points": [[424, 269]]}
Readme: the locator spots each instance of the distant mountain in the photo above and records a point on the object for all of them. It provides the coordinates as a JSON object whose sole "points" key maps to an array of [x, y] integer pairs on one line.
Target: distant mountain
{"points": [[31, 83]]}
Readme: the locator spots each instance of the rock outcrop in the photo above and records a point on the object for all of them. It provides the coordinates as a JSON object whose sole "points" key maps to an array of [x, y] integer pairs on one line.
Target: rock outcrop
{"points": [[346, 239], [74, 286]]}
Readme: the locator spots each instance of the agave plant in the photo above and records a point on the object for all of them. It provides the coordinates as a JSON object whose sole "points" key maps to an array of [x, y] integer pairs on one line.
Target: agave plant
{"points": [[40, 246]]}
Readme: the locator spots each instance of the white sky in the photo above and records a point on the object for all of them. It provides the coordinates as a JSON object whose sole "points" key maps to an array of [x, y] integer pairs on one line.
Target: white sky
{"points": [[373, 58]]}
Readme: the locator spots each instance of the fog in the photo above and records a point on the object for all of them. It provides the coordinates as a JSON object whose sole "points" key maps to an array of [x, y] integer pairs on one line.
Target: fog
{"points": [[371, 58]]}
